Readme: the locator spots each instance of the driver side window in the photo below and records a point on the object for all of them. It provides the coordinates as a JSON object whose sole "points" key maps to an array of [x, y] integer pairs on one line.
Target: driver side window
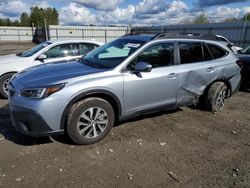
{"points": [[62, 50], [158, 55]]}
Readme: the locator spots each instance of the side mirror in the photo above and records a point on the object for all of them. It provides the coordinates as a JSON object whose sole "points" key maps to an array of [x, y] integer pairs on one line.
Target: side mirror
{"points": [[143, 67], [42, 57], [239, 51]]}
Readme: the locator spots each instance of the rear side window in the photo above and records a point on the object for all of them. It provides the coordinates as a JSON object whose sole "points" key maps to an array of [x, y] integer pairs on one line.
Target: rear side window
{"points": [[190, 52], [84, 48], [216, 51]]}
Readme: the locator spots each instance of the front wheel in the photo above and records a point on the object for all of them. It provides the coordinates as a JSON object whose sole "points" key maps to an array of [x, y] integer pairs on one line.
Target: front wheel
{"points": [[4, 81], [216, 96], [90, 120]]}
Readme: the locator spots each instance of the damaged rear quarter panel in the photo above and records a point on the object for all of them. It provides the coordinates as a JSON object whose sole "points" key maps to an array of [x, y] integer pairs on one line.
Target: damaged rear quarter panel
{"points": [[195, 77]]}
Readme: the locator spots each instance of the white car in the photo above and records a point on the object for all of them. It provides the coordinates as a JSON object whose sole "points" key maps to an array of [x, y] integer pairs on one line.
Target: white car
{"points": [[46, 52]]}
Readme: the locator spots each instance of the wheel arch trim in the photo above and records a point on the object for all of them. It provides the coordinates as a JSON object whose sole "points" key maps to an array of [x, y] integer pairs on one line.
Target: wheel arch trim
{"points": [[85, 94]]}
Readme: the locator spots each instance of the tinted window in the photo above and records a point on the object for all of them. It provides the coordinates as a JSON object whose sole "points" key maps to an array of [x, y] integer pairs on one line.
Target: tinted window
{"points": [[158, 55], [216, 51], [206, 54], [190, 52], [84, 48], [62, 50]]}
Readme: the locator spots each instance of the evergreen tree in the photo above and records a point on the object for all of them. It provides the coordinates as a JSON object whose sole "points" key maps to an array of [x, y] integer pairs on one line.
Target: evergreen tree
{"points": [[25, 20]]}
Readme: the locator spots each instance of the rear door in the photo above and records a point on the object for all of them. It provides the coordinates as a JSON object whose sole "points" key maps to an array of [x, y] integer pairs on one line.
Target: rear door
{"points": [[197, 70], [147, 90]]}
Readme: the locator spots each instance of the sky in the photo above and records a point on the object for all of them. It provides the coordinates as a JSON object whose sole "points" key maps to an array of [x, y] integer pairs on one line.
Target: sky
{"points": [[130, 12]]}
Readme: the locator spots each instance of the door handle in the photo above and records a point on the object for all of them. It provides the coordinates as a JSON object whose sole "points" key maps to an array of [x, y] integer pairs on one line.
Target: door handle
{"points": [[210, 69], [172, 75]]}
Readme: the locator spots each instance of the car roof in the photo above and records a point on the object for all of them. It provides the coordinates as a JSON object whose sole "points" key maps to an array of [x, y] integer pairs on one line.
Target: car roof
{"points": [[60, 41]]}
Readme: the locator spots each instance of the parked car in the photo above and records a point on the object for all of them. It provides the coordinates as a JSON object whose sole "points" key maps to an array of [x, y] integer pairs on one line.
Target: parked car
{"points": [[233, 47], [46, 52], [122, 79], [244, 57]]}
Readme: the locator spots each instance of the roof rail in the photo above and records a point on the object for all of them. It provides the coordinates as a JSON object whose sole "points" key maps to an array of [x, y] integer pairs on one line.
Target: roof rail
{"points": [[185, 36], [158, 35]]}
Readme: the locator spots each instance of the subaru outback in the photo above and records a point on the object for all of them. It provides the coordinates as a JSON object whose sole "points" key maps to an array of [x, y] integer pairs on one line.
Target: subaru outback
{"points": [[127, 77]]}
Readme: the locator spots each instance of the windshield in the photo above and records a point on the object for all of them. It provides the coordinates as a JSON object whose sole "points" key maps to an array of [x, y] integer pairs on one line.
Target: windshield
{"points": [[34, 50], [112, 54], [246, 50]]}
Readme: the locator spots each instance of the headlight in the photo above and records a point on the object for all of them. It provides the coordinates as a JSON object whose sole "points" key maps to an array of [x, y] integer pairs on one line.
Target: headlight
{"points": [[41, 92]]}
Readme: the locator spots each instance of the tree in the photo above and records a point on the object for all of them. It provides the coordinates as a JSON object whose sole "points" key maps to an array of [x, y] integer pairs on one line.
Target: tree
{"points": [[38, 14], [230, 20], [25, 20], [247, 17], [201, 19]]}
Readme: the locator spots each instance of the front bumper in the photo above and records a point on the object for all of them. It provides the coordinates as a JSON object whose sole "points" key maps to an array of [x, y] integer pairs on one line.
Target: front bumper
{"points": [[30, 123]]}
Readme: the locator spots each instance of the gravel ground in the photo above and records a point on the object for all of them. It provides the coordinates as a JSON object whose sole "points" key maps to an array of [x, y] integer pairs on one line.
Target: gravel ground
{"points": [[181, 148]]}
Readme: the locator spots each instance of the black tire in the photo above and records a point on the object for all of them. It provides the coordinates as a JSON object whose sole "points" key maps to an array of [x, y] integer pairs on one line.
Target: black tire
{"points": [[216, 96], [3, 81], [82, 107]]}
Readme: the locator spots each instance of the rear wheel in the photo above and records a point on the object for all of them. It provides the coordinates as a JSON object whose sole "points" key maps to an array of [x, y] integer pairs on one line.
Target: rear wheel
{"points": [[216, 96], [90, 120], [4, 81]]}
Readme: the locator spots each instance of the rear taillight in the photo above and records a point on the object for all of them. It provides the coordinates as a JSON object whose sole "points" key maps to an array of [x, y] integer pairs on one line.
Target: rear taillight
{"points": [[240, 63]]}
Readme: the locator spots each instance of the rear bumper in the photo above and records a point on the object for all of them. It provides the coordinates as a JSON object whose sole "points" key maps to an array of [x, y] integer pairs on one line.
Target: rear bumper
{"points": [[235, 82], [30, 123]]}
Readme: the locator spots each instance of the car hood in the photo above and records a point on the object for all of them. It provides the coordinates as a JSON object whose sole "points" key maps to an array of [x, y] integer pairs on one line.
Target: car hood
{"points": [[9, 58], [53, 73]]}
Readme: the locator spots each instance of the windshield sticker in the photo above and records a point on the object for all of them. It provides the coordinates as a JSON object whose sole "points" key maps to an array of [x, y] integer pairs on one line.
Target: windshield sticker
{"points": [[132, 45]]}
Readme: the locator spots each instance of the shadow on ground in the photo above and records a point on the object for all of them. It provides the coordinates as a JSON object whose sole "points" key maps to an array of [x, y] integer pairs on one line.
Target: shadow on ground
{"points": [[9, 132]]}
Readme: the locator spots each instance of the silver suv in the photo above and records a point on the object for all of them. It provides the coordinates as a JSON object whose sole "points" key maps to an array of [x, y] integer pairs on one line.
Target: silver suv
{"points": [[127, 77]]}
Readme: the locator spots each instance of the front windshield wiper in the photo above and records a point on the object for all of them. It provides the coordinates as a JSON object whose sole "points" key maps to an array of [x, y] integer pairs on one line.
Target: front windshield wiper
{"points": [[94, 65], [84, 61]]}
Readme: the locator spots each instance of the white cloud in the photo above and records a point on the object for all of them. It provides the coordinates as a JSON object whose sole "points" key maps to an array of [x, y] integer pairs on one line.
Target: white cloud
{"points": [[151, 6], [118, 16], [107, 5], [77, 15], [13, 8]]}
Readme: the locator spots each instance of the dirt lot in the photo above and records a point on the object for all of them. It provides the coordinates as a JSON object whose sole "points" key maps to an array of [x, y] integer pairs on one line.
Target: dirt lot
{"points": [[182, 148]]}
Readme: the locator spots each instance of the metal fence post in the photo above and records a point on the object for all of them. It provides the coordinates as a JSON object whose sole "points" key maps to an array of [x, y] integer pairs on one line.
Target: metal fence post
{"points": [[105, 35], [56, 33], [18, 34], [83, 33]]}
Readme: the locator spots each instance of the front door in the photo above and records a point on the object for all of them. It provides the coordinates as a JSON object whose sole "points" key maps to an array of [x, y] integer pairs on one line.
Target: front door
{"points": [[146, 90], [61, 52]]}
